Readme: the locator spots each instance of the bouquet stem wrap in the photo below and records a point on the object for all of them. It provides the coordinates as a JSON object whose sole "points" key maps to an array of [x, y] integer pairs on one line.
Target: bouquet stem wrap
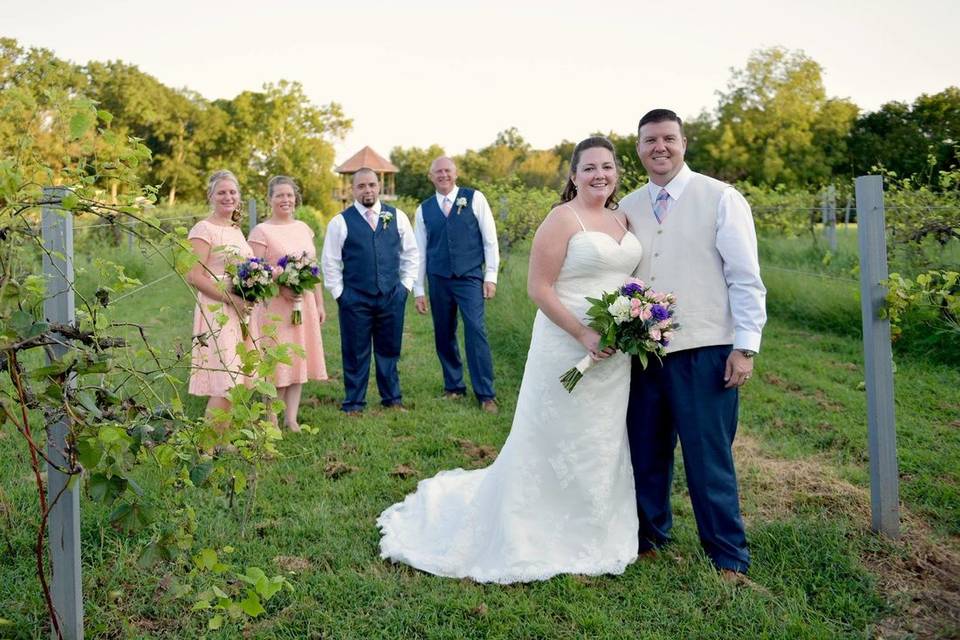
{"points": [[574, 373], [297, 316], [245, 325]]}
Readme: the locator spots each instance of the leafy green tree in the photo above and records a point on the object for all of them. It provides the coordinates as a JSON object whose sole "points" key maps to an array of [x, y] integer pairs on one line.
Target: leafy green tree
{"points": [[771, 118], [938, 116], [891, 138], [278, 130], [414, 165], [541, 169]]}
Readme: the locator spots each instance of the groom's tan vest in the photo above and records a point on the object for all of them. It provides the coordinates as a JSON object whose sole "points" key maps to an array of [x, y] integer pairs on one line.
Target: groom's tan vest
{"points": [[680, 256]]}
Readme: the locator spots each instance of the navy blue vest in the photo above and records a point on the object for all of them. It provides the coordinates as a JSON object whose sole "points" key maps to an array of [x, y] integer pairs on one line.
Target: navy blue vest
{"points": [[454, 243], [371, 259]]}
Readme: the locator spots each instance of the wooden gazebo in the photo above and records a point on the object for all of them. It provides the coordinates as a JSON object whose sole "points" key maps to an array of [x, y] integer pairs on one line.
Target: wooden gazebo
{"points": [[367, 158]]}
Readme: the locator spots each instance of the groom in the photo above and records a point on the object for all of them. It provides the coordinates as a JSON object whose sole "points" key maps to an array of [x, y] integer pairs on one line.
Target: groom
{"points": [[457, 239], [699, 243], [369, 262]]}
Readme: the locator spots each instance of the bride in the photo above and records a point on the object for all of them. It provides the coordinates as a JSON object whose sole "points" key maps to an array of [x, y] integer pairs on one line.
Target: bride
{"points": [[559, 498]]}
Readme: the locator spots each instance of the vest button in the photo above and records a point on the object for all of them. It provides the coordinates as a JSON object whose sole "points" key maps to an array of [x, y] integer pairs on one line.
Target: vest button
{"points": [[659, 231], [656, 255]]}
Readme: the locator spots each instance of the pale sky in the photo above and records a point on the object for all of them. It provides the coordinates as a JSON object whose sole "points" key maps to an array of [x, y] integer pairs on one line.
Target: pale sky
{"points": [[413, 73]]}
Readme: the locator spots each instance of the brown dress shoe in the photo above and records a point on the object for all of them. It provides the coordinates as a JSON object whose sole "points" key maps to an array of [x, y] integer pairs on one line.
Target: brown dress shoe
{"points": [[489, 406]]}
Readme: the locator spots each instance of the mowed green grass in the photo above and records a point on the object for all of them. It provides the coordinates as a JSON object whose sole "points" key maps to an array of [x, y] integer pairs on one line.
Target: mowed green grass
{"points": [[811, 578]]}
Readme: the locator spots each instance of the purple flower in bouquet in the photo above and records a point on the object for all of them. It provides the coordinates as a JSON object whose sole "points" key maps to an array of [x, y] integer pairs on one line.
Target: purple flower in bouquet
{"points": [[632, 288], [252, 280], [633, 319]]}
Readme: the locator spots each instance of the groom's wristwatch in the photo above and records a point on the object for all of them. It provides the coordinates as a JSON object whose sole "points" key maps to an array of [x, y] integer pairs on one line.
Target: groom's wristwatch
{"points": [[747, 353]]}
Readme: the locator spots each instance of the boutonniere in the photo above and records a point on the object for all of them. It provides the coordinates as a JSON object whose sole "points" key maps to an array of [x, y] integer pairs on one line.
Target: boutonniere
{"points": [[386, 216], [461, 203]]}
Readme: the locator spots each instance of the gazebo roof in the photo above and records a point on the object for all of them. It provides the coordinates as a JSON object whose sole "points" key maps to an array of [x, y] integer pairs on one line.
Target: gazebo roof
{"points": [[368, 158]]}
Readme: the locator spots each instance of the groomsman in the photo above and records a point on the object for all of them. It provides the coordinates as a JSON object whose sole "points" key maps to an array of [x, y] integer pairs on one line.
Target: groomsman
{"points": [[459, 256], [369, 262], [699, 243]]}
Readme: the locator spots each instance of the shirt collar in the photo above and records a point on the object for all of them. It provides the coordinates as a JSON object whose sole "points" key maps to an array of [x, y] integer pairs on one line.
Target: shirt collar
{"points": [[362, 209], [452, 195], [675, 187]]}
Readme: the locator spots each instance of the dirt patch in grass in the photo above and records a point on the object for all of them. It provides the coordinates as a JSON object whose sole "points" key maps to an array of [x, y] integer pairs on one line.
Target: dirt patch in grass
{"points": [[920, 575], [480, 455], [293, 564]]}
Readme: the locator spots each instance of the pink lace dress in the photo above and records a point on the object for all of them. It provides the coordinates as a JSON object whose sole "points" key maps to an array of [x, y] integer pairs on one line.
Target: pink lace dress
{"points": [[215, 365], [279, 240]]}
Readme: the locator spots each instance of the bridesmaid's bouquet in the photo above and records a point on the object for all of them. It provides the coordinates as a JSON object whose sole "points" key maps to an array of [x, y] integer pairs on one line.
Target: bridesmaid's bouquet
{"points": [[299, 274], [252, 280], [633, 319]]}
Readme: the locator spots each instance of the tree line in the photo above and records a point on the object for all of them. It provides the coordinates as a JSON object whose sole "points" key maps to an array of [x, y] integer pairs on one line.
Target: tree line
{"points": [[773, 126], [276, 130]]}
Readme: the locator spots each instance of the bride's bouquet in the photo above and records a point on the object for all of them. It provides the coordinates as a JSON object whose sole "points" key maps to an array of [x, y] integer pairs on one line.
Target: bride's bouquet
{"points": [[299, 274], [633, 319], [252, 280]]}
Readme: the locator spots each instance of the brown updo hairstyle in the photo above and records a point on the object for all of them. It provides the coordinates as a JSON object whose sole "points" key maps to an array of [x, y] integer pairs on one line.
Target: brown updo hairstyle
{"points": [[276, 181], [216, 177], [570, 190]]}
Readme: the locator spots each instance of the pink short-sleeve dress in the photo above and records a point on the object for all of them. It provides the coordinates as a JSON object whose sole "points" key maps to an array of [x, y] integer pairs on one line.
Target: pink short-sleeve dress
{"points": [[215, 365], [294, 239]]}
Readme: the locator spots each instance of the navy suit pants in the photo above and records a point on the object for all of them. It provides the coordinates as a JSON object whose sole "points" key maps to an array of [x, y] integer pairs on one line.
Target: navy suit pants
{"points": [[446, 296], [684, 397], [367, 319]]}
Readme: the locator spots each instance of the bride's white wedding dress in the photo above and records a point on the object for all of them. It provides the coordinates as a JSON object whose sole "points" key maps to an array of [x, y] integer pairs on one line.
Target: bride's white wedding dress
{"points": [[559, 498]]}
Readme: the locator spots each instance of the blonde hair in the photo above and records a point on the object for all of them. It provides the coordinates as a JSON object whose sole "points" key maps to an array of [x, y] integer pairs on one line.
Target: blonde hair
{"points": [[216, 177]]}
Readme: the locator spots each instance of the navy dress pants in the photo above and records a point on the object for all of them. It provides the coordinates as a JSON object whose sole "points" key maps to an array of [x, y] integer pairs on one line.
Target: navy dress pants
{"points": [[364, 319], [685, 397], [446, 296]]}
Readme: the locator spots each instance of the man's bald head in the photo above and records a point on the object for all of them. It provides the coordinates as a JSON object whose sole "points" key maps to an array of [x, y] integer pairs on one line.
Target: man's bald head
{"points": [[443, 174]]}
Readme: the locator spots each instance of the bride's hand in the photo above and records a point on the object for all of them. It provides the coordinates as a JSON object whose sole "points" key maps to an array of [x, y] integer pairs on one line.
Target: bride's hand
{"points": [[590, 339]]}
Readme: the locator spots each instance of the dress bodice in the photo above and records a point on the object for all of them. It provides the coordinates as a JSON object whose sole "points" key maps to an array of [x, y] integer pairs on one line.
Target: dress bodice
{"points": [[227, 244], [595, 263]]}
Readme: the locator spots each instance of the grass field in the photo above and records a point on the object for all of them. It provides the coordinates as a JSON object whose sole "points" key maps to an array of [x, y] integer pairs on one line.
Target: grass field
{"points": [[818, 572]]}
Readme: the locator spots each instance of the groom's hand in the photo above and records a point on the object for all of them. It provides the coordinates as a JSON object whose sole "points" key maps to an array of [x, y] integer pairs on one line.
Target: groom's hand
{"points": [[421, 304], [489, 290], [738, 371]]}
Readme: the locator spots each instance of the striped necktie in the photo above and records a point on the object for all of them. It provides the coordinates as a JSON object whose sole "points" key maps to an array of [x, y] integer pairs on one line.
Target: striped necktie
{"points": [[372, 218], [660, 208], [446, 206]]}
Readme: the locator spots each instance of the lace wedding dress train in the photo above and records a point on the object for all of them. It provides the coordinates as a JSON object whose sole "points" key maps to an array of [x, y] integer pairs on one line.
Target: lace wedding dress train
{"points": [[559, 498]]}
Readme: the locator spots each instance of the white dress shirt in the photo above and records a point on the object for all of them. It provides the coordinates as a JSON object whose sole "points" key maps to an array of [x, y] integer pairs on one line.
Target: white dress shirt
{"points": [[737, 245], [488, 234], [331, 258]]}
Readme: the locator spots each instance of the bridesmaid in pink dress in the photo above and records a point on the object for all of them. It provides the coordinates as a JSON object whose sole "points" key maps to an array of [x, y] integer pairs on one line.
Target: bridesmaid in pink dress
{"points": [[217, 240], [275, 237]]}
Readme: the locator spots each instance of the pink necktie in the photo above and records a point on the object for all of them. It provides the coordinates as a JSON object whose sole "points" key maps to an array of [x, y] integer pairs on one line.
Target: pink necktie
{"points": [[660, 208], [372, 218], [446, 206]]}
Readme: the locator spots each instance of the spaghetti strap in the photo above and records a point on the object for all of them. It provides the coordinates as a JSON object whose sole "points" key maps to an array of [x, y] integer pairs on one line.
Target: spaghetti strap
{"points": [[582, 228], [617, 218]]}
